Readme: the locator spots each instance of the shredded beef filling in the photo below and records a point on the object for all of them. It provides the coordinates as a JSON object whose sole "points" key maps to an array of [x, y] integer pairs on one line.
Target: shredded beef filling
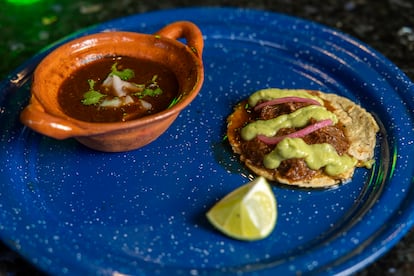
{"points": [[293, 169], [272, 111]]}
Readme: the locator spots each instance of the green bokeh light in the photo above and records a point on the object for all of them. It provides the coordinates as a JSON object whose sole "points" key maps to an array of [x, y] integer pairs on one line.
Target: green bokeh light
{"points": [[22, 2]]}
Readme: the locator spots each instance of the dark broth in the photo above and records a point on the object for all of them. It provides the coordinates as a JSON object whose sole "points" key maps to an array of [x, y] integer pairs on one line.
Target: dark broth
{"points": [[76, 85]]}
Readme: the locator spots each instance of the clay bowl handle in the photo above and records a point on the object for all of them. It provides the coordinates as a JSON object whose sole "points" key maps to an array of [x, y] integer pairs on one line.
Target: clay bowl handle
{"points": [[187, 30], [35, 117]]}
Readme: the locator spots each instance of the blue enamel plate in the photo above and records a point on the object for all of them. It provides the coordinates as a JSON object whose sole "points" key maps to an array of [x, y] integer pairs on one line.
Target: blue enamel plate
{"points": [[72, 210]]}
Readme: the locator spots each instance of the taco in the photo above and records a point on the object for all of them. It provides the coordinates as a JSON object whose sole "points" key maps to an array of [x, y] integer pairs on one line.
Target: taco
{"points": [[302, 137]]}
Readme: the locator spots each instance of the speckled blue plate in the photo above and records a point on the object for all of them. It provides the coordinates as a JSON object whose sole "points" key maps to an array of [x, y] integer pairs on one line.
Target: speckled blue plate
{"points": [[71, 210]]}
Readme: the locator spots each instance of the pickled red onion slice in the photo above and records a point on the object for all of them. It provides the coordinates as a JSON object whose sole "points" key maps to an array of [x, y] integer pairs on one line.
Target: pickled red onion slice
{"points": [[286, 100], [296, 134]]}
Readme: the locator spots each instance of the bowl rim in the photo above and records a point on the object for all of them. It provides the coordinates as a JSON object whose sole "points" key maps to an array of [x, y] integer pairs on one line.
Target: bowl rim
{"points": [[151, 118]]}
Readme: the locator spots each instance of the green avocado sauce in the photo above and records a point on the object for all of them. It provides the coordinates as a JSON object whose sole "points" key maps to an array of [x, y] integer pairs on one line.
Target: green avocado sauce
{"points": [[299, 118], [274, 93], [316, 156]]}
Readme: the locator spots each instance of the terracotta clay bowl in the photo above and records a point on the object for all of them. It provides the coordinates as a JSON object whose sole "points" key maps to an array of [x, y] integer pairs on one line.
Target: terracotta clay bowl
{"points": [[45, 115]]}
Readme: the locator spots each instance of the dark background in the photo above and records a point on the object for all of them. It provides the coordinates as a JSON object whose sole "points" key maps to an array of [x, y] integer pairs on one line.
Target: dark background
{"points": [[385, 25]]}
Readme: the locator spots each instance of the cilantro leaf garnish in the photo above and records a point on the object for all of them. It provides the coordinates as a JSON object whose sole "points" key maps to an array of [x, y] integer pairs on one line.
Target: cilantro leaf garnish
{"points": [[125, 74], [151, 89], [151, 92], [174, 101], [92, 96]]}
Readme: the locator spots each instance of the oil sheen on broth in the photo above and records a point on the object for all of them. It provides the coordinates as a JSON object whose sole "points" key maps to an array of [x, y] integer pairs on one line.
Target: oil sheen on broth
{"points": [[76, 85]]}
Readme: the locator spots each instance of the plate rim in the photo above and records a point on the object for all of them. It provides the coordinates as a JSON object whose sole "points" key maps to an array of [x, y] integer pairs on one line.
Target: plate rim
{"points": [[409, 217]]}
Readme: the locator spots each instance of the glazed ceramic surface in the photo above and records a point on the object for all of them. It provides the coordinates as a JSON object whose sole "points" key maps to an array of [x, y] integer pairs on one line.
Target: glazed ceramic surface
{"points": [[70, 210]]}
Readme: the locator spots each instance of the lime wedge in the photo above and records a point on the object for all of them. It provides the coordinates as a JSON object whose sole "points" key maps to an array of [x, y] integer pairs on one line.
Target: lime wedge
{"points": [[247, 213]]}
